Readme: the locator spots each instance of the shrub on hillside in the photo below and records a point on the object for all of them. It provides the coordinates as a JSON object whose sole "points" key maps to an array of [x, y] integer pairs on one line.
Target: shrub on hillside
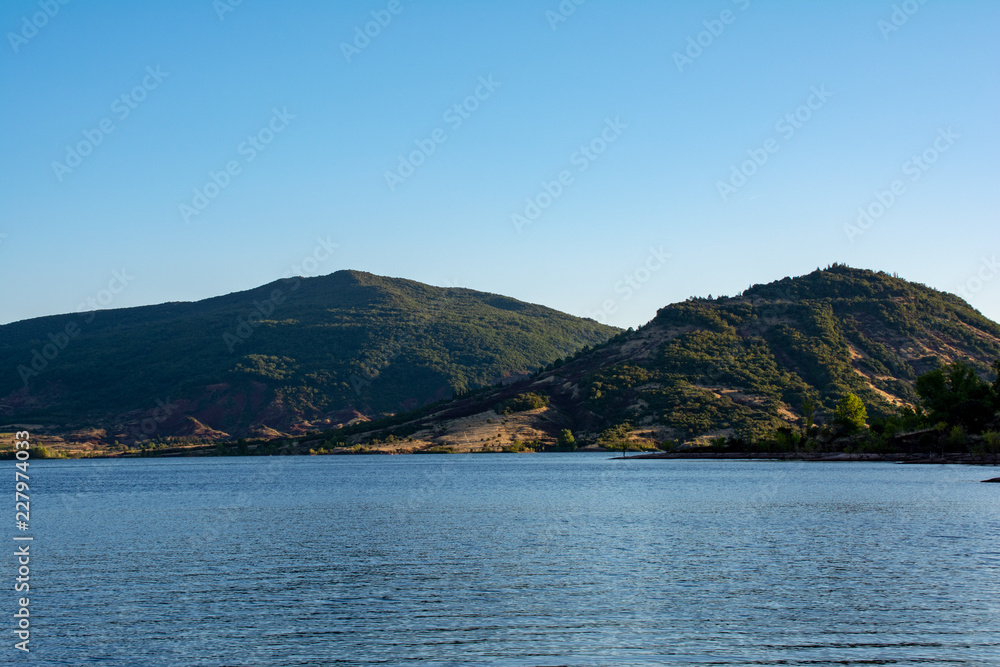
{"points": [[522, 402]]}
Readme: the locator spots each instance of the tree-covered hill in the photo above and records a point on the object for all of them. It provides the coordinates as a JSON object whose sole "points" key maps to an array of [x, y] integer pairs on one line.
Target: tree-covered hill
{"points": [[282, 356], [744, 366]]}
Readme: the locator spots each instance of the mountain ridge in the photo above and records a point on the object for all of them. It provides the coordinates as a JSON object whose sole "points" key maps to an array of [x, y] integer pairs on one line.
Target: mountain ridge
{"points": [[277, 356], [702, 369], [732, 367]]}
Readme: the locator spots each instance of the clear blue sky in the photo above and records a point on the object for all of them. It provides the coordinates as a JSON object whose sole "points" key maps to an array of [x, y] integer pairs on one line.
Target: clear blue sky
{"points": [[681, 128]]}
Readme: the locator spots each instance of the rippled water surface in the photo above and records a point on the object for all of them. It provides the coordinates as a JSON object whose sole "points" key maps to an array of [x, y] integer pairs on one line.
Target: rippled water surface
{"points": [[511, 560]]}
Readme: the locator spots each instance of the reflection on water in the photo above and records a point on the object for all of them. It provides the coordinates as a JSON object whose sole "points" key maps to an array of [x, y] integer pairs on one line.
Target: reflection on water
{"points": [[512, 560]]}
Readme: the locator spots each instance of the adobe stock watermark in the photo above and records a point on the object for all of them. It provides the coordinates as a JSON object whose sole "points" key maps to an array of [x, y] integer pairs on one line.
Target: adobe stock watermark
{"points": [[631, 283], [454, 116], [59, 340], [582, 158], [30, 25], [122, 107], [988, 269], [248, 149], [421, 319], [223, 7], [901, 13], [104, 297], [787, 127], [262, 310], [697, 44], [363, 35], [562, 12], [914, 169]]}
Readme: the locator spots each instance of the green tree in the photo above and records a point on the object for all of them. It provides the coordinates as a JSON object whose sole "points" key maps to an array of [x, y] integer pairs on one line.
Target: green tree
{"points": [[809, 412], [851, 414], [956, 438], [616, 437], [523, 402], [566, 439], [991, 441], [955, 395]]}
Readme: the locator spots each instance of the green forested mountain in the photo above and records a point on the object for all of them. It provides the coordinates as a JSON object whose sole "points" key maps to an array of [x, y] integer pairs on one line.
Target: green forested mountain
{"points": [[291, 355], [746, 365], [311, 354]]}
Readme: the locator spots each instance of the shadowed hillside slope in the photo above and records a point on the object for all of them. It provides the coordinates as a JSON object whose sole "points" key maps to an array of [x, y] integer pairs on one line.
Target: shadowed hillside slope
{"points": [[293, 355]]}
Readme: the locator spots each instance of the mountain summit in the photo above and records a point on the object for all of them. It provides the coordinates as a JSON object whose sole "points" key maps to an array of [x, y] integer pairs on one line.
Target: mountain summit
{"points": [[289, 356]]}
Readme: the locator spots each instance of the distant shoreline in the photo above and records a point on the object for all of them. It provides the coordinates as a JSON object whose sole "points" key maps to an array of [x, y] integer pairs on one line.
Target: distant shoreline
{"points": [[947, 458], [211, 451]]}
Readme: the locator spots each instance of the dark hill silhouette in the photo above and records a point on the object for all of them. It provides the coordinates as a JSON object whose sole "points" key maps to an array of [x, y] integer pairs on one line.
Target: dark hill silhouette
{"points": [[291, 355]]}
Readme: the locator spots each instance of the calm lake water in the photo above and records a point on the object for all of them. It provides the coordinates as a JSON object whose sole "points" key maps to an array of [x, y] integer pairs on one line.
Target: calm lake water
{"points": [[564, 559]]}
